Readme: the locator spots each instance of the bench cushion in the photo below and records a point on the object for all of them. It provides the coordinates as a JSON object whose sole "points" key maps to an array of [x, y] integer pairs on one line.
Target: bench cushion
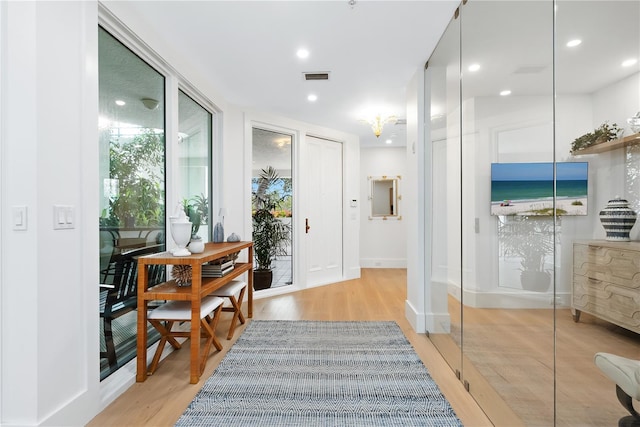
{"points": [[181, 310]]}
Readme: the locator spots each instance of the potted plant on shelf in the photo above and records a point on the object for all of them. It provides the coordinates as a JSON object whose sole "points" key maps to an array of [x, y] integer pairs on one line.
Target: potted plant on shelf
{"points": [[530, 238], [197, 209], [599, 135], [270, 235]]}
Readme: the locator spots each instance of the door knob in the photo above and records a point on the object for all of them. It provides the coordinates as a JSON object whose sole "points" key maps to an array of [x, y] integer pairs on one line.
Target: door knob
{"points": [[306, 225]]}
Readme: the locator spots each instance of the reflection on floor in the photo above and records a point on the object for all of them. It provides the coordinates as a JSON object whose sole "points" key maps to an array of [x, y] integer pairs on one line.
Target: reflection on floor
{"points": [[513, 351], [282, 272], [124, 336]]}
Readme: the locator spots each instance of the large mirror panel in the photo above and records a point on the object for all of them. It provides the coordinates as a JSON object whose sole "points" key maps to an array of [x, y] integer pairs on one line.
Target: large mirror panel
{"points": [[597, 83], [533, 285], [507, 118]]}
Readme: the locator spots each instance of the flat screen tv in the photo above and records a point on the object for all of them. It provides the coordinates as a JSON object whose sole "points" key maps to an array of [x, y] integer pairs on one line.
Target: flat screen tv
{"points": [[527, 188]]}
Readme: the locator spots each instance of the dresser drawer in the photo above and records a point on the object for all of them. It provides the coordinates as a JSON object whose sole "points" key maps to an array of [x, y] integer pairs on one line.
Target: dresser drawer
{"points": [[606, 282], [613, 265]]}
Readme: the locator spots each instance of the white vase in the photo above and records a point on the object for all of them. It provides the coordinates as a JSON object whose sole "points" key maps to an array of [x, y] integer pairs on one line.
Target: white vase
{"points": [[181, 233], [196, 246]]}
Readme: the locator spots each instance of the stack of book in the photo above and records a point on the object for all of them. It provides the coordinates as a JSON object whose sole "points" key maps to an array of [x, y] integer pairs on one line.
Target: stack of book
{"points": [[217, 269]]}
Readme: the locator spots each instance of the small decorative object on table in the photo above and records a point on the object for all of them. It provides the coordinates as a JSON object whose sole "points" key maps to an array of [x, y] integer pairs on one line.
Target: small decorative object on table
{"points": [[233, 237], [218, 230], [634, 122], [180, 231], [182, 274], [618, 219], [196, 246]]}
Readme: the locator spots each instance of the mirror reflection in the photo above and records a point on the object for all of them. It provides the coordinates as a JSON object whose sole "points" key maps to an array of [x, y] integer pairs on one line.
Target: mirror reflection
{"points": [[384, 197]]}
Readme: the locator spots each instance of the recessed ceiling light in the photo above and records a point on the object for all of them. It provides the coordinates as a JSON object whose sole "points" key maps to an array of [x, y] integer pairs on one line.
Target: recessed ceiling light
{"points": [[629, 62], [574, 42], [388, 141], [312, 97], [302, 53], [505, 93], [474, 67], [120, 102]]}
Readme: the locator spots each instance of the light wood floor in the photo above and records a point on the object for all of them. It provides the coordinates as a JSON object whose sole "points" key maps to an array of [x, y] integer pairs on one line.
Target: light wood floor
{"points": [[379, 295]]}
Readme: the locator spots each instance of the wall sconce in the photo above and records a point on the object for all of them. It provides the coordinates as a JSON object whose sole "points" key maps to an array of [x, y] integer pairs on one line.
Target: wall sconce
{"points": [[377, 123]]}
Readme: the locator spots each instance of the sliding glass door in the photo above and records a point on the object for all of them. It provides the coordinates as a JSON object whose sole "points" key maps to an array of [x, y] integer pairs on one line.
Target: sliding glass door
{"points": [[131, 188]]}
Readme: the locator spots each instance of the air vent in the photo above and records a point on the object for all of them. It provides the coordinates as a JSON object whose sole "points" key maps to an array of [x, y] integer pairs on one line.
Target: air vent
{"points": [[401, 122], [530, 69], [319, 75]]}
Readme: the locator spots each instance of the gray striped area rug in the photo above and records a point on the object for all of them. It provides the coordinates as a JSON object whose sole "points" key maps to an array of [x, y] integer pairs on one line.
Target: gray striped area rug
{"points": [[306, 373]]}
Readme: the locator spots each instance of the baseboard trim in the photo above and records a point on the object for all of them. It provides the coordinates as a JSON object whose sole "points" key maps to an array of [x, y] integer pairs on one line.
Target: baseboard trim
{"points": [[383, 263]]}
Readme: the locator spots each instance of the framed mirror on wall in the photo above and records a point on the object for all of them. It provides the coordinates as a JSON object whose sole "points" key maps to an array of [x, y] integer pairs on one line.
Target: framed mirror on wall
{"points": [[384, 197]]}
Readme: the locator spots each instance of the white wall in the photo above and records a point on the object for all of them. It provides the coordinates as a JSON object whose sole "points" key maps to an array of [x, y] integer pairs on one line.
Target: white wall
{"points": [[383, 244], [49, 150]]}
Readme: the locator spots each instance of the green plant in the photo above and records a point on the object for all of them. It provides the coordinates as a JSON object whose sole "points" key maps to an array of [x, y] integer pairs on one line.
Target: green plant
{"points": [[270, 235], [603, 133], [197, 209], [138, 166]]}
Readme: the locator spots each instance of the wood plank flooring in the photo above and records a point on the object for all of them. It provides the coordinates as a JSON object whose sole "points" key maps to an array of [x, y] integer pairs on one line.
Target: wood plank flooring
{"points": [[379, 294]]}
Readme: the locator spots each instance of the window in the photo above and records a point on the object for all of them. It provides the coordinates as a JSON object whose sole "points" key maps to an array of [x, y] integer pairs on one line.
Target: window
{"points": [[194, 163]]}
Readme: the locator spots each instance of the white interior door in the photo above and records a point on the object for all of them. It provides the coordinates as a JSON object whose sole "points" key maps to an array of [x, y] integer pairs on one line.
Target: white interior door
{"points": [[324, 211]]}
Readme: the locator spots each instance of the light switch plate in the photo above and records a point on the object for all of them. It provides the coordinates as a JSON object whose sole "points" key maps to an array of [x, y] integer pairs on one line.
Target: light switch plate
{"points": [[19, 217], [63, 217]]}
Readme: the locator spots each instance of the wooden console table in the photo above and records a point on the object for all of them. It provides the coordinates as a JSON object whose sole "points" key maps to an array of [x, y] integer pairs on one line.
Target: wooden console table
{"points": [[200, 287]]}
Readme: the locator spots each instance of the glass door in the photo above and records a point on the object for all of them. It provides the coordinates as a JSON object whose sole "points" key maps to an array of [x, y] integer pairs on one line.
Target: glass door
{"points": [[272, 208], [131, 188]]}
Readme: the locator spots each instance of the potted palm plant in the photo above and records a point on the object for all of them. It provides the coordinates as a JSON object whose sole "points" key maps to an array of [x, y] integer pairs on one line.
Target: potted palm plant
{"points": [[270, 235]]}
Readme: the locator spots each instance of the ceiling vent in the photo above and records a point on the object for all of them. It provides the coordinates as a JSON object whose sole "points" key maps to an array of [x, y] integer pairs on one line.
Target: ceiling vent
{"points": [[316, 75], [530, 69], [401, 122]]}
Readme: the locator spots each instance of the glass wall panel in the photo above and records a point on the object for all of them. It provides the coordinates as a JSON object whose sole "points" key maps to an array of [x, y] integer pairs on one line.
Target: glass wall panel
{"points": [[540, 287], [507, 205], [194, 163], [443, 82], [131, 188], [597, 83]]}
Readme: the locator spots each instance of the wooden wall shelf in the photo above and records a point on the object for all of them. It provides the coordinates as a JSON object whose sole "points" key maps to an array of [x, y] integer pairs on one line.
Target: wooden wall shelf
{"points": [[609, 145]]}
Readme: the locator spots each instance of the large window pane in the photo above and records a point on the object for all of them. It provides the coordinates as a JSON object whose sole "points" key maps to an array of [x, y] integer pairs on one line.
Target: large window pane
{"points": [[131, 188], [194, 157]]}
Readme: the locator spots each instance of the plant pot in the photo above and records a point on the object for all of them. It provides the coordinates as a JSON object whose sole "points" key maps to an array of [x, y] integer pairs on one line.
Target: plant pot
{"points": [[537, 281], [262, 279]]}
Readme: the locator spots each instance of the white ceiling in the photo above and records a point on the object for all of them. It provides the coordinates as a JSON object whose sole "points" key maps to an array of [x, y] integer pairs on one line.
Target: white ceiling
{"points": [[248, 51], [373, 48]]}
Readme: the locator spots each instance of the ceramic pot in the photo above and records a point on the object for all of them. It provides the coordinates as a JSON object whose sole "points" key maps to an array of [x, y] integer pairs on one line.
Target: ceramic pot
{"points": [[262, 279], [196, 246], [618, 219]]}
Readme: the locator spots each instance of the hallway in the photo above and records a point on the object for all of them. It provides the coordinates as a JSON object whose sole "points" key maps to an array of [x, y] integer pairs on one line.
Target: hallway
{"points": [[378, 295]]}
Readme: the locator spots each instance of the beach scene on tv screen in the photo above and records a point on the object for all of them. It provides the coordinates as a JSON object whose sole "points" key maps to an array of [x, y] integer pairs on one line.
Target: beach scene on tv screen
{"points": [[527, 188]]}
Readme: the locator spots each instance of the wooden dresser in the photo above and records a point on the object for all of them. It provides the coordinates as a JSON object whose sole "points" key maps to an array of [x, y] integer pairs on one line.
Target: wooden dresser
{"points": [[606, 281]]}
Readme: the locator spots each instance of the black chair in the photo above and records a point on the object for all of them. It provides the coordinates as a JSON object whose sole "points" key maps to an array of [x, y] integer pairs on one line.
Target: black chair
{"points": [[121, 296]]}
